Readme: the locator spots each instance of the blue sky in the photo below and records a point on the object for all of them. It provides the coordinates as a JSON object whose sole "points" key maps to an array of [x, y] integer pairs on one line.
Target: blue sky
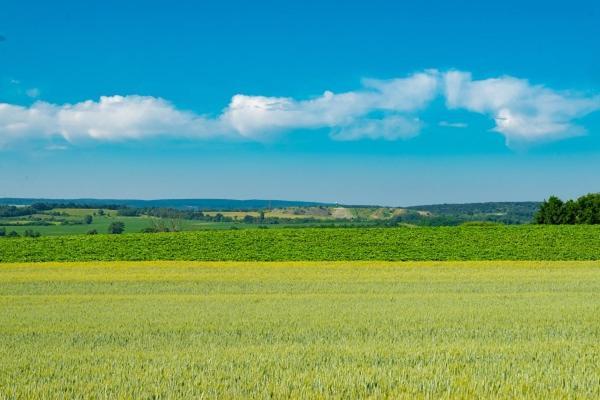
{"points": [[376, 102]]}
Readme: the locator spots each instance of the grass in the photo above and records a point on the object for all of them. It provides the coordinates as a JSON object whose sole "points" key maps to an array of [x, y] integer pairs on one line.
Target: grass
{"points": [[533, 242], [300, 330], [136, 224], [99, 223]]}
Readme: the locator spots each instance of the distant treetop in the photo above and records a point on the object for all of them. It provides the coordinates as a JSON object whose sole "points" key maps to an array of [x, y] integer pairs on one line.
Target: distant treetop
{"points": [[584, 210]]}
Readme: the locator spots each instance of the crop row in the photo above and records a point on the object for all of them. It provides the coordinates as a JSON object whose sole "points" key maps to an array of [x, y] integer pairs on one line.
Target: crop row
{"points": [[440, 243]]}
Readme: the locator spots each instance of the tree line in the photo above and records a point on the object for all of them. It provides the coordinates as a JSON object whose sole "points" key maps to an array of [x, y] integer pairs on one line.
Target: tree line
{"points": [[36, 208], [584, 210]]}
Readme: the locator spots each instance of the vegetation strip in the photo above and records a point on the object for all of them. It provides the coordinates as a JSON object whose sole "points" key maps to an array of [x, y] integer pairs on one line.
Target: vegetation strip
{"points": [[531, 242]]}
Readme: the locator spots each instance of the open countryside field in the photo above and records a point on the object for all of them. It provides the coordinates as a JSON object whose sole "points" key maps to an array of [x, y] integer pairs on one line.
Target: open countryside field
{"points": [[70, 221], [527, 242], [100, 224], [335, 330], [132, 225]]}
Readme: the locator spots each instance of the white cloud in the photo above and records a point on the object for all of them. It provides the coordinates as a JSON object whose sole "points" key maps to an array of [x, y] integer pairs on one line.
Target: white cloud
{"points": [[18, 122], [111, 118], [253, 116], [522, 111], [447, 124], [130, 117], [56, 147], [380, 109]]}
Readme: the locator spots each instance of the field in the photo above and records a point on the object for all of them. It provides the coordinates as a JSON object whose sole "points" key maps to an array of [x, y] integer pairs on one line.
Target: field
{"points": [[66, 220], [99, 223], [70, 221], [527, 242], [300, 330]]}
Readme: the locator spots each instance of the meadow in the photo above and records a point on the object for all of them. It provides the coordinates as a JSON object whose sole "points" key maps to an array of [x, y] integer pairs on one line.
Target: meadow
{"points": [[70, 222], [525, 242], [100, 223], [300, 330]]}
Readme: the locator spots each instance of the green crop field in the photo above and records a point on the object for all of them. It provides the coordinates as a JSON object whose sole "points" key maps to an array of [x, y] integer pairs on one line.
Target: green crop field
{"points": [[300, 330], [530, 242], [100, 224]]}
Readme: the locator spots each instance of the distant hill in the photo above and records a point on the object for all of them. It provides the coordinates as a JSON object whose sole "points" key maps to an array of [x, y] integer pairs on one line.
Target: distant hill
{"points": [[436, 214], [506, 212], [201, 204]]}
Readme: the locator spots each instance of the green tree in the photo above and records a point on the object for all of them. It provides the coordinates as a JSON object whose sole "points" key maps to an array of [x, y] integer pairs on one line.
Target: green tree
{"points": [[570, 211], [585, 210], [588, 209], [31, 233], [551, 211], [116, 228], [88, 219]]}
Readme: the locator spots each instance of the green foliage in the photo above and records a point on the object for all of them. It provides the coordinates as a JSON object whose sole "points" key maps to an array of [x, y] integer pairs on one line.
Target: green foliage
{"points": [[585, 210], [203, 204], [116, 228], [36, 208], [502, 212], [524, 242], [346, 330], [31, 233], [480, 223], [88, 219]]}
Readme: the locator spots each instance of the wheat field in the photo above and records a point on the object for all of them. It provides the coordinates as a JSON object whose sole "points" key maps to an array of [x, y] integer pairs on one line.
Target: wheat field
{"points": [[300, 330]]}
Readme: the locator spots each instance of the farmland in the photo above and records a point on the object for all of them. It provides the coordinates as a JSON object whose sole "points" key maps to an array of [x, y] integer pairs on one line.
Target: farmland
{"points": [[472, 311], [527, 242], [77, 218], [70, 221], [341, 330]]}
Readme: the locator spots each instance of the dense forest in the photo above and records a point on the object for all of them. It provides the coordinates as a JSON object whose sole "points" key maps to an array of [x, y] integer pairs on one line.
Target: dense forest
{"points": [[584, 210]]}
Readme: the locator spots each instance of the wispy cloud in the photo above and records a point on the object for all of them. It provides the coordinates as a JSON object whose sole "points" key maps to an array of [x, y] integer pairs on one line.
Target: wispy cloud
{"points": [[379, 109], [33, 93], [521, 111], [389, 128], [447, 124], [255, 116]]}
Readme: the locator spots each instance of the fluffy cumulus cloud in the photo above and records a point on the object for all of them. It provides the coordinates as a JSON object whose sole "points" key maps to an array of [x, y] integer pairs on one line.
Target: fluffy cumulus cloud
{"points": [[522, 111], [379, 109], [257, 115], [111, 118]]}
